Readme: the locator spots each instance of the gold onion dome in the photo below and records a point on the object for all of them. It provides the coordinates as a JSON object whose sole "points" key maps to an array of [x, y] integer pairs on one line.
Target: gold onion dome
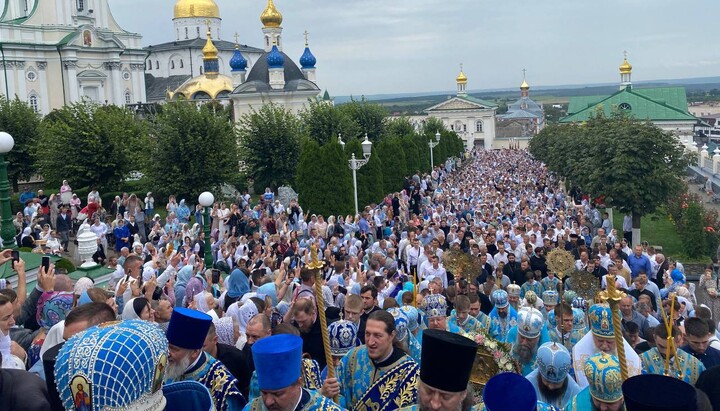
{"points": [[209, 51], [271, 17], [461, 78], [625, 67], [524, 85], [196, 8]]}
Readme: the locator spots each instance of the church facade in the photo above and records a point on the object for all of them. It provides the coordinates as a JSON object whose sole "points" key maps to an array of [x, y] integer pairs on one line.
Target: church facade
{"points": [[56, 52]]}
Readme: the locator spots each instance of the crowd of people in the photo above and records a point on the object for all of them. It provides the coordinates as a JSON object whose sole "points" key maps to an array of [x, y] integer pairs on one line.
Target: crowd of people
{"points": [[242, 328]]}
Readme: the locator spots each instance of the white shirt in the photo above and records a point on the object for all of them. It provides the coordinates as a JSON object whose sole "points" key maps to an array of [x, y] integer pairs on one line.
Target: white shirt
{"points": [[619, 282]]}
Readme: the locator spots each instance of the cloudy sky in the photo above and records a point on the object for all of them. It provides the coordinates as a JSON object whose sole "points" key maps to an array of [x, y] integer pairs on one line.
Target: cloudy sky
{"points": [[399, 46]]}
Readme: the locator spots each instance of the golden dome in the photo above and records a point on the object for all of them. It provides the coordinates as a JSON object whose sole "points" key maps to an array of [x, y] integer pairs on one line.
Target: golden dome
{"points": [[212, 85], [271, 17], [461, 78], [196, 8], [625, 67], [524, 85], [209, 51]]}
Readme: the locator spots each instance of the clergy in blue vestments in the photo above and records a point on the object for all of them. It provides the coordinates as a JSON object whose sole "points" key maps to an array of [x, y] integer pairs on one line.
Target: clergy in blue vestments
{"points": [[434, 307], [659, 393], [444, 378], [343, 337], [402, 327], [278, 363], [376, 375], [563, 332], [502, 317], [687, 368], [552, 383], [525, 345], [605, 389], [550, 299], [461, 317], [188, 362]]}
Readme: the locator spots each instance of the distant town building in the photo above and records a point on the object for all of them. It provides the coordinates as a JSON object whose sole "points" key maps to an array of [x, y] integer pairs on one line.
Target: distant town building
{"points": [[471, 118], [666, 107], [524, 119]]}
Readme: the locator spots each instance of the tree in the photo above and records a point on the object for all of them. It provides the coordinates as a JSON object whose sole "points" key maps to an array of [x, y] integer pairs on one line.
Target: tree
{"points": [[412, 154], [392, 158], [635, 165], [90, 145], [322, 121], [19, 120], [399, 127], [336, 181], [192, 150], [369, 117], [309, 171], [270, 143]]}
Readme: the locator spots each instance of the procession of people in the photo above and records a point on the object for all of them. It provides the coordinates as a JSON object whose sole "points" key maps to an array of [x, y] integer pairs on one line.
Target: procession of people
{"points": [[297, 311]]}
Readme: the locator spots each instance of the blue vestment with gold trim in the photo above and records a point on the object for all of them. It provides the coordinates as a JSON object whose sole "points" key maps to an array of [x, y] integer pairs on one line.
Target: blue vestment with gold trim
{"points": [[311, 379], [222, 385], [310, 400], [654, 363]]}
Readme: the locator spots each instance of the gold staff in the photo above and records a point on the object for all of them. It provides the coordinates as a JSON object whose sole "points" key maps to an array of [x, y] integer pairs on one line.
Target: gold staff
{"points": [[613, 296], [316, 266], [671, 350]]}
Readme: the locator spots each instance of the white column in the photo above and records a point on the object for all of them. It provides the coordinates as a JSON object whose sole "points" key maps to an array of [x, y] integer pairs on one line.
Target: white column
{"points": [[44, 90], [716, 163], [72, 81], [489, 132], [116, 79], [21, 82]]}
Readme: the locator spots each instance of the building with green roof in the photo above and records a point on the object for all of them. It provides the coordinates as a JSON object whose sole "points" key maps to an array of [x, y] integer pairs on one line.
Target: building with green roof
{"points": [[665, 107]]}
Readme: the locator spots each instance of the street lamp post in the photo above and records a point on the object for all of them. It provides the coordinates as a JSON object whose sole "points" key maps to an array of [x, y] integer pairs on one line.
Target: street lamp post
{"points": [[8, 230], [432, 144], [355, 164], [206, 199]]}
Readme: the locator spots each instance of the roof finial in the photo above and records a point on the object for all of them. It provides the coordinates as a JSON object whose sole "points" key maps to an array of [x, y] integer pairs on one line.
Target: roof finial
{"points": [[209, 32], [236, 39], [461, 67], [625, 54], [523, 70], [305, 33]]}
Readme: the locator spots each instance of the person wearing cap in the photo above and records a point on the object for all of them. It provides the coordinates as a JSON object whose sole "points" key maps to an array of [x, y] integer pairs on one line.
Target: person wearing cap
{"points": [[407, 339], [444, 379], [552, 383], [434, 308], [526, 337], [605, 389], [503, 316], [188, 362], [278, 362], [601, 339], [508, 391], [375, 375], [514, 291], [343, 338], [120, 366], [659, 393], [653, 360]]}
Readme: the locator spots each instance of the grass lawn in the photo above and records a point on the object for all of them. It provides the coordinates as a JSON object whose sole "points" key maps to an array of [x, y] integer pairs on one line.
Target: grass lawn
{"points": [[656, 229]]}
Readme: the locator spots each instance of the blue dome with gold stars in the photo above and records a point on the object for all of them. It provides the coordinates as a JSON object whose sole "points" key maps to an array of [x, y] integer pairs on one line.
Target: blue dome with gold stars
{"points": [[238, 62], [275, 59], [307, 60]]}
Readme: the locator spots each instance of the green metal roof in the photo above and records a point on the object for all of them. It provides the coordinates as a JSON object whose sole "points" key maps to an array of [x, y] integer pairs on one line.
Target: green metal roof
{"points": [[32, 262], [477, 101], [654, 104]]}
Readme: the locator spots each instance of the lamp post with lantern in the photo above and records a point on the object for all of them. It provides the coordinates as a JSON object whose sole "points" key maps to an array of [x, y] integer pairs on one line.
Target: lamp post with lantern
{"points": [[206, 200], [355, 163], [432, 144], [8, 229]]}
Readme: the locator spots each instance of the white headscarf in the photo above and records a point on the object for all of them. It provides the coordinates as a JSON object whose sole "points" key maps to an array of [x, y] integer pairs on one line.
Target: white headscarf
{"points": [[129, 312], [242, 313]]}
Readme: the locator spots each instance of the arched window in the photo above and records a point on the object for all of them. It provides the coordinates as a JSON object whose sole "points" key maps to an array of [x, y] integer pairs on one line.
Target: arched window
{"points": [[157, 64], [201, 68], [177, 34], [186, 33], [172, 64], [128, 97], [181, 63], [479, 126], [80, 5], [198, 31], [33, 100]]}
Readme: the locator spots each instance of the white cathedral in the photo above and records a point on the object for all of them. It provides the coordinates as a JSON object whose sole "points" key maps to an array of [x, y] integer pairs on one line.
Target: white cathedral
{"points": [[59, 52]]}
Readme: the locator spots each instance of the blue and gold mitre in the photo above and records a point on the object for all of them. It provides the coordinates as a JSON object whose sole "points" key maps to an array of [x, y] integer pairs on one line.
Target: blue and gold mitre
{"points": [[499, 298], [529, 322], [550, 297], [600, 318], [113, 366], [603, 373], [514, 290], [569, 296], [579, 321], [434, 305], [413, 316], [579, 302], [554, 362], [401, 322], [343, 337]]}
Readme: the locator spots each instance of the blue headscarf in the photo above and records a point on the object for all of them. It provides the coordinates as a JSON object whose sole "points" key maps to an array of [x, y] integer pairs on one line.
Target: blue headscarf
{"points": [[239, 284], [183, 276], [269, 291]]}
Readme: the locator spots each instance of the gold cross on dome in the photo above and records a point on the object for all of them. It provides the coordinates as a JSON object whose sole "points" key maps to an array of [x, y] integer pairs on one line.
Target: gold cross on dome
{"points": [[460, 66], [236, 37], [305, 33], [625, 53], [523, 70]]}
